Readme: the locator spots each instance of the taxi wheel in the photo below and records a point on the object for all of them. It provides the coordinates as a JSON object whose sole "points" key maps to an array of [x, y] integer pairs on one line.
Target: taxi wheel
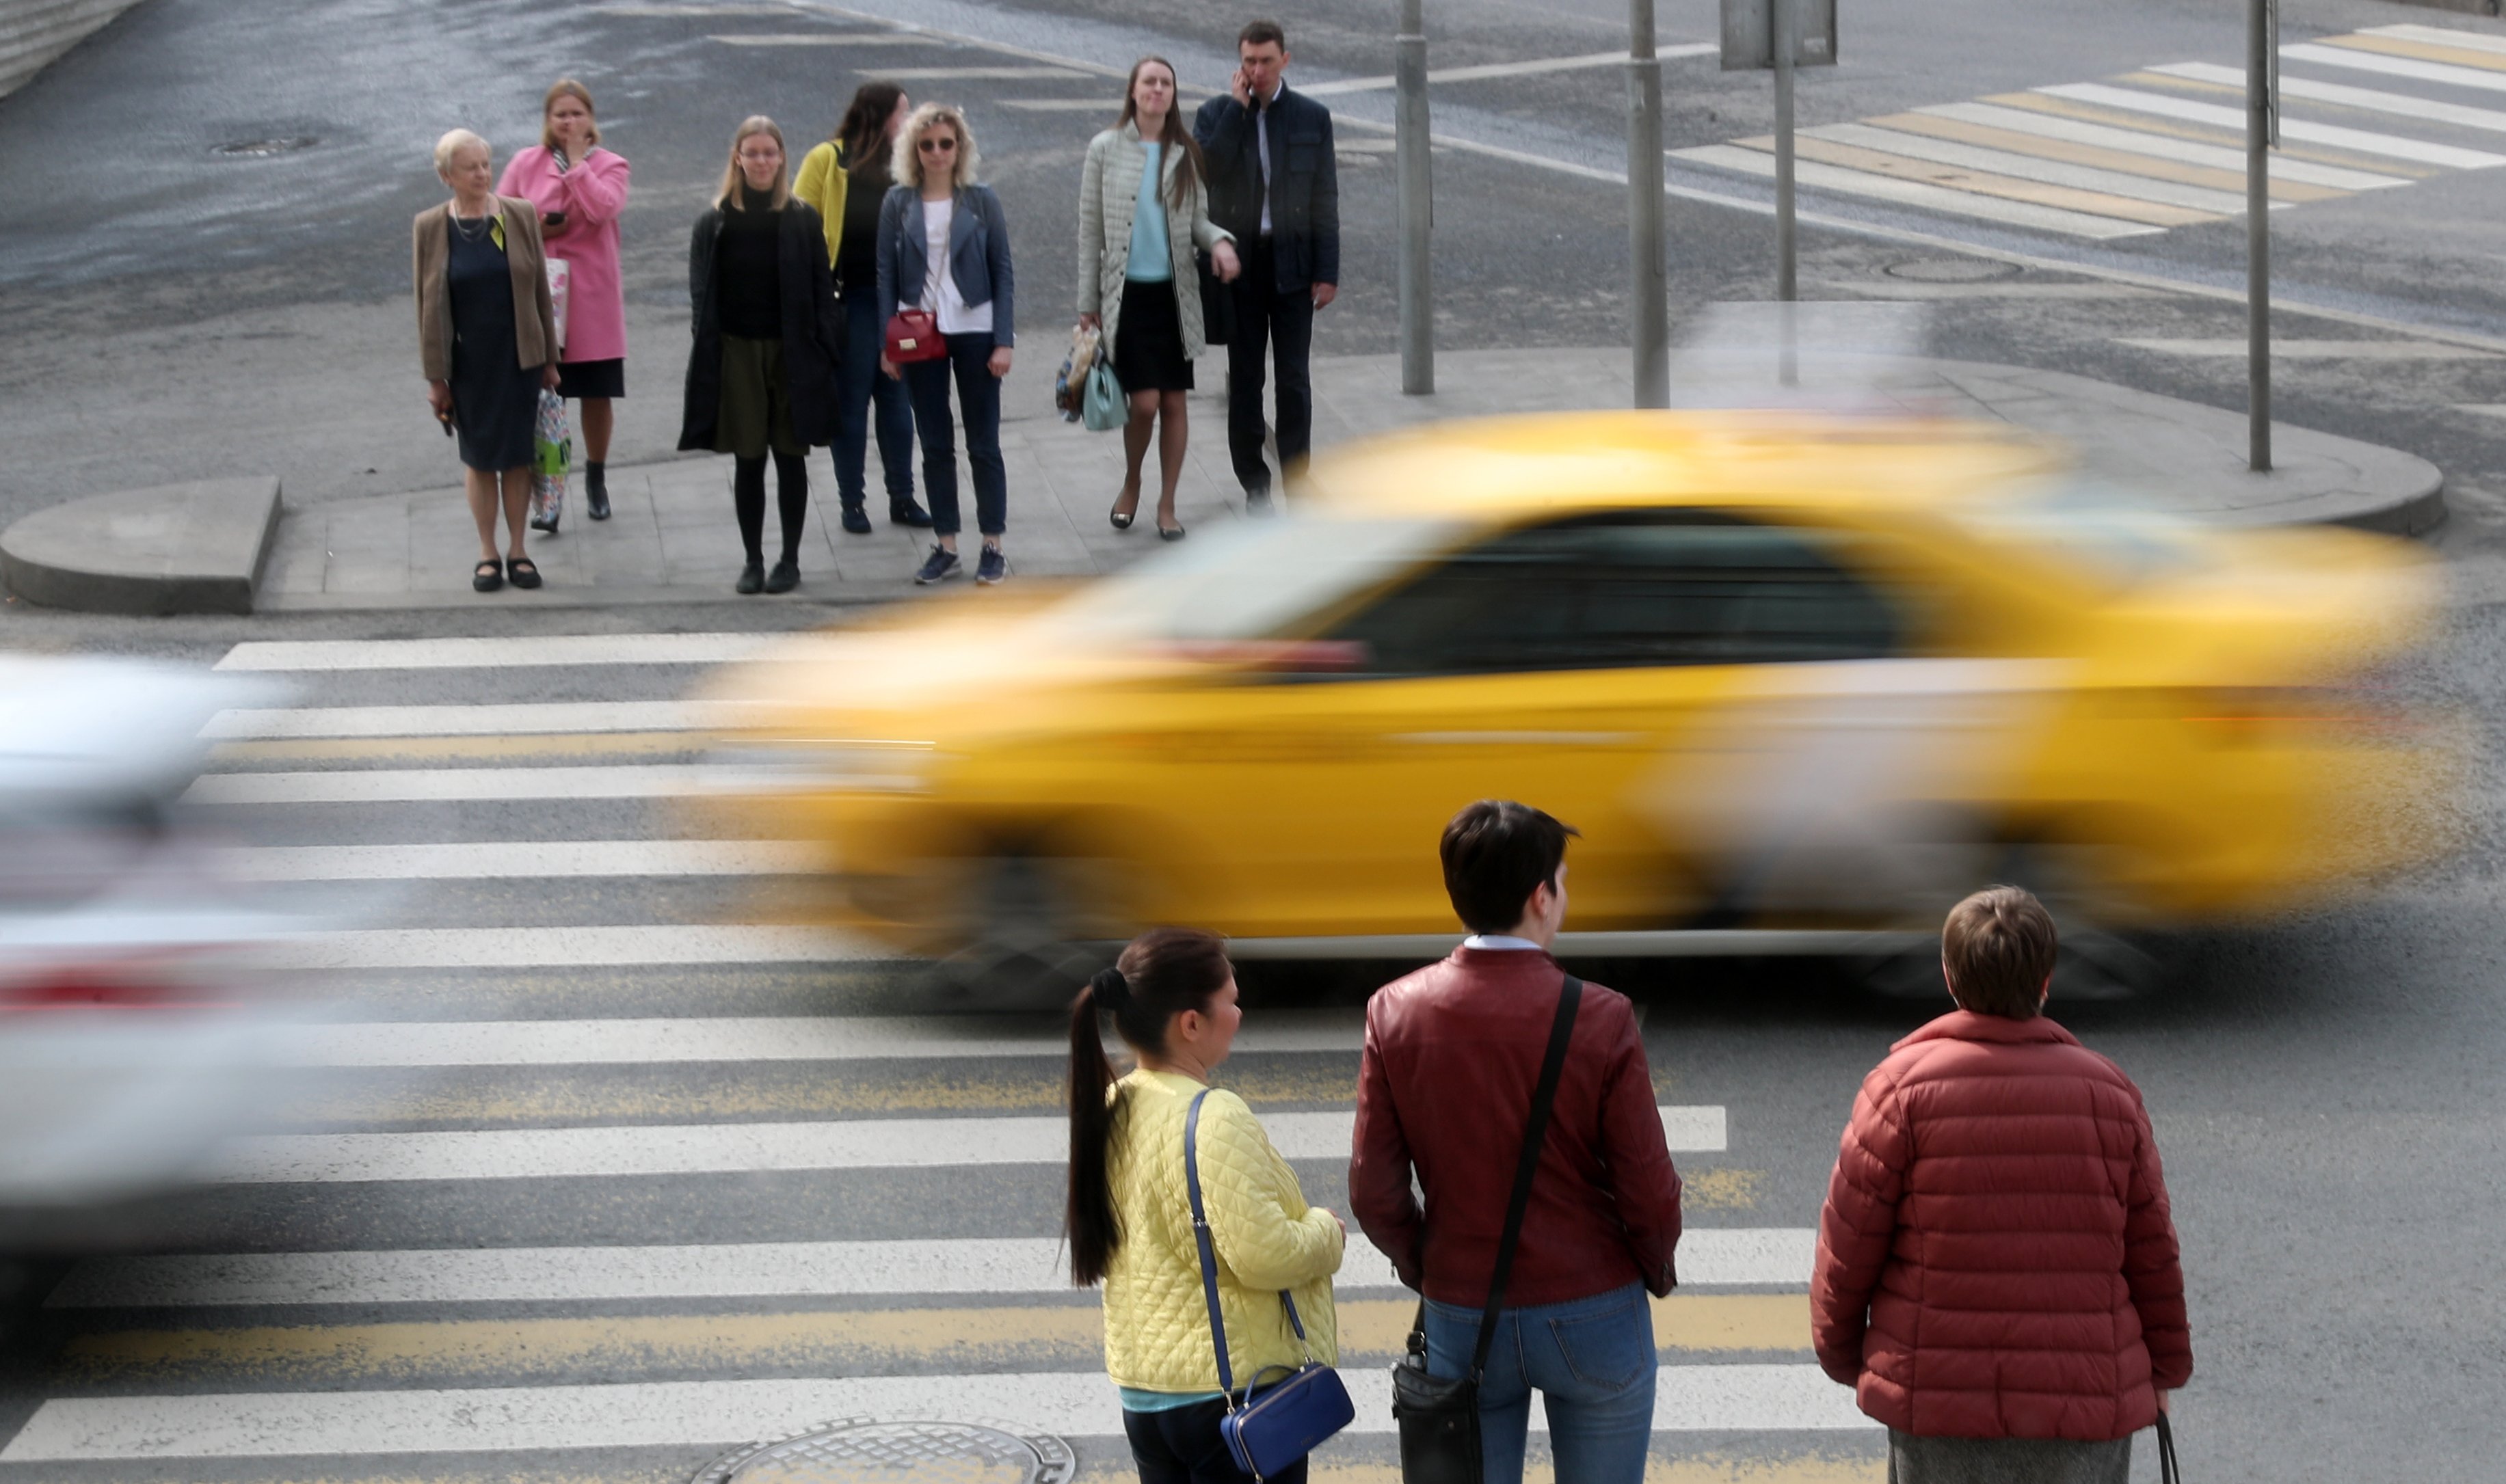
{"points": [[2094, 962], [1019, 947]]}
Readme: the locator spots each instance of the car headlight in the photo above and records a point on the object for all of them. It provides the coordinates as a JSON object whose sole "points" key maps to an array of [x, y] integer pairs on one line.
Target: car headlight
{"points": [[822, 764]]}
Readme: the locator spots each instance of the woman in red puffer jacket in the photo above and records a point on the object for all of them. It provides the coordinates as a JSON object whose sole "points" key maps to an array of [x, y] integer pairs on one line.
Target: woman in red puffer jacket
{"points": [[1997, 1275]]}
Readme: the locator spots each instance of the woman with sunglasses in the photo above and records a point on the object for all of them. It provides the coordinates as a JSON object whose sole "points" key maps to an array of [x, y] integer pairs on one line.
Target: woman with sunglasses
{"points": [[1171, 997], [944, 247]]}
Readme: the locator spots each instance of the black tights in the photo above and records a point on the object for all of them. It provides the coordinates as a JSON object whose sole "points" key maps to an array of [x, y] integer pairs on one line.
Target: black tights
{"points": [[791, 501]]}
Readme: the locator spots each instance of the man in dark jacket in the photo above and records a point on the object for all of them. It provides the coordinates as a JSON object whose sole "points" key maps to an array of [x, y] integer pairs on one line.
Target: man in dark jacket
{"points": [[1274, 183], [1997, 1275], [1452, 1054]]}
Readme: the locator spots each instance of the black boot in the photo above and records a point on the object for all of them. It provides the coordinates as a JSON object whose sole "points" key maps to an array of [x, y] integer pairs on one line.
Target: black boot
{"points": [[903, 509], [856, 520], [595, 492]]}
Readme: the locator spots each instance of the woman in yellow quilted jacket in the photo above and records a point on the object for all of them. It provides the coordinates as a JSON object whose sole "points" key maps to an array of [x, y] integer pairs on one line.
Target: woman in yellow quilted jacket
{"points": [[1173, 1000]]}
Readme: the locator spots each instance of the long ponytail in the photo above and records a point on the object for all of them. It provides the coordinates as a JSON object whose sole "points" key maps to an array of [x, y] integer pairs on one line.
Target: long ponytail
{"points": [[1161, 973]]}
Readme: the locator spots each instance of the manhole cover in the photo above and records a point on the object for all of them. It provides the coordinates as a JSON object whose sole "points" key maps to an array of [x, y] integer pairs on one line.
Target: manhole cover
{"points": [[1953, 270], [860, 1450], [256, 149]]}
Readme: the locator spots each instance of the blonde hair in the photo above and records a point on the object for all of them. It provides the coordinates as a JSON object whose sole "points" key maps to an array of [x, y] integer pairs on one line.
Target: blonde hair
{"points": [[567, 87], [453, 143], [728, 196], [904, 167]]}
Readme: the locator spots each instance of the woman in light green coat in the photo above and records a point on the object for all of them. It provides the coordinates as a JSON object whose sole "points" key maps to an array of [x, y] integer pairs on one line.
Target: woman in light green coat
{"points": [[1142, 213]]}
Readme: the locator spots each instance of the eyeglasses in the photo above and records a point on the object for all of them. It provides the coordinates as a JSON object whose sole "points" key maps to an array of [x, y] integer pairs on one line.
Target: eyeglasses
{"points": [[935, 146]]}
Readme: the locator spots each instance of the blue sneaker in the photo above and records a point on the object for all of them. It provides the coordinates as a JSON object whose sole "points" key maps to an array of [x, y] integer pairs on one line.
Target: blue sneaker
{"points": [[941, 563], [991, 566]]}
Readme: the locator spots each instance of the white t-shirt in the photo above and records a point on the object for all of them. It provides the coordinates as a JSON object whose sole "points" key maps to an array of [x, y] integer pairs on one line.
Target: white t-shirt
{"points": [[940, 293]]}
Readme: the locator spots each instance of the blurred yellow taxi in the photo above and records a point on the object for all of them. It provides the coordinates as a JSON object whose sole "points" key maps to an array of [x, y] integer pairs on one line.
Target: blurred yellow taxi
{"points": [[1801, 682]]}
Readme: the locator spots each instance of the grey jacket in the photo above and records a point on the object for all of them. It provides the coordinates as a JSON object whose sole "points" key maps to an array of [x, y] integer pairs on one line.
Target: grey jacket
{"points": [[978, 255], [1109, 190]]}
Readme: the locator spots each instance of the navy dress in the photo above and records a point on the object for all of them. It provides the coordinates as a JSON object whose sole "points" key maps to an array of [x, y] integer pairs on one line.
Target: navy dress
{"points": [[495, 402]]}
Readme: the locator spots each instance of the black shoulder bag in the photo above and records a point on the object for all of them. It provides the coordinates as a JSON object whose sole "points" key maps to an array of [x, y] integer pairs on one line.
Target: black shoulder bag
{"points": [[1440, 1417]]}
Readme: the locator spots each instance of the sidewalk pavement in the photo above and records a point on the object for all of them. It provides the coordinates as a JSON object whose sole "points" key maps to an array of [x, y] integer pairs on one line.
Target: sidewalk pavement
{"points": [[672, 536]]}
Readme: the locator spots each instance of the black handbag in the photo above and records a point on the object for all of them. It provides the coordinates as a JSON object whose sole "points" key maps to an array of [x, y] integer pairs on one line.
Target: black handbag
{"points": [[1439, 1416], [1217, 303]]}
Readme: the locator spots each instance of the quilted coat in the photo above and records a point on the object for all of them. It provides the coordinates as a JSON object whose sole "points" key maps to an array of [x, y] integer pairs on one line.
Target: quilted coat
{"points": [[1109, 189], [1157, 1322], [1996, 1258]]}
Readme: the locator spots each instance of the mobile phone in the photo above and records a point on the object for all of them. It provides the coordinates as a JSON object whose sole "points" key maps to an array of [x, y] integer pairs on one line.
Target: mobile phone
{"points": [[554, 219]]}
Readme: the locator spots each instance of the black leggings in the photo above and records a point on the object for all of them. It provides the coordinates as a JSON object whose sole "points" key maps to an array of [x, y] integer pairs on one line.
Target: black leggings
{"points": [[1182, 1446], [791, 501]]}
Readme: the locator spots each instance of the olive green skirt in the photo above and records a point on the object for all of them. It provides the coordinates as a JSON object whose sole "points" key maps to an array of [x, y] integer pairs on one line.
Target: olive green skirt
{"points": [[755, 410]]}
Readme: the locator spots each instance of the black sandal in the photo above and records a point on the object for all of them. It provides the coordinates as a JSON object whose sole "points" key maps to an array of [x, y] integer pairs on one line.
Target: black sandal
{"points": [[488, 575], [525, 572]]}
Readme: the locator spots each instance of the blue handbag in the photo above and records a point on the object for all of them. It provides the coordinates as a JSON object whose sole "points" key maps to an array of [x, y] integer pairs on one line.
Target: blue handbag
{"points": [[1270, 1427]]}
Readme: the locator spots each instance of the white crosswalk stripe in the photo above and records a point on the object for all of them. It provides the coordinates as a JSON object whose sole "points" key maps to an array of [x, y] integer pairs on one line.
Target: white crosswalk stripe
{"points": [[2162, 149], [1710, 1257], [523, 1128]]}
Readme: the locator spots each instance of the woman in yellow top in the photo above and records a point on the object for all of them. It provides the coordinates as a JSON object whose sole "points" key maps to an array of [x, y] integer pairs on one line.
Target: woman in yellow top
{"points": [[1173, 1000]]}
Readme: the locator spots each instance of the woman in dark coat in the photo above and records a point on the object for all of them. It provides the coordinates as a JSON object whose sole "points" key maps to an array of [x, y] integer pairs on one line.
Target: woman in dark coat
{"points": [[762, 376], [487, 343]]}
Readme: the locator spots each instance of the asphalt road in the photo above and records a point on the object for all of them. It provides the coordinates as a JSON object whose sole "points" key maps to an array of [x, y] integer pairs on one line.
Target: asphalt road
{"points": [[2325, 1091]]}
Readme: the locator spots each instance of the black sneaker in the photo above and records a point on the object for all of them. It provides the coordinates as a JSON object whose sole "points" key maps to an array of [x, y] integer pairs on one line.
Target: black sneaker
{"points": [[907, 512], [752, 579], [785, 576], [856, 520], [1257, 503], [991, 566], [941, 563]]}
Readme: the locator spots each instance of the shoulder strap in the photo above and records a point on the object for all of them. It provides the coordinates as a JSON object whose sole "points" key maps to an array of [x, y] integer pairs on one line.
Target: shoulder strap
{"points": [[1535, 1134], [1200, 1237]]}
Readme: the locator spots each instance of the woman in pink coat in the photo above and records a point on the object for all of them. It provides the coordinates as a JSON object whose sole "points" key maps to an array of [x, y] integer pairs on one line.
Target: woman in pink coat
{"points": [[580, 188]]}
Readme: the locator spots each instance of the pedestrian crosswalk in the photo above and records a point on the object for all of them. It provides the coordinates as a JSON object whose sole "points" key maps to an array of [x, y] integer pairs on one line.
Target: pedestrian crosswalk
{"points": [[2164, 147], [595, 1176]]}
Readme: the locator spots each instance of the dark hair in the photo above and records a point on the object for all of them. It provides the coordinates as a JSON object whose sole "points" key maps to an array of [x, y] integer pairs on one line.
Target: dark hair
{"points": [[1163, 972], [1180, 145], [1497, 853], [1258, 32], [1998, 948], [864, 132]]}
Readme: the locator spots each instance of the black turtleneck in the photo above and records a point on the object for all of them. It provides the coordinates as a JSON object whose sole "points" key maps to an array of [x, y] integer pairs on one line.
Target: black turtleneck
{"points": [[747, 275]]}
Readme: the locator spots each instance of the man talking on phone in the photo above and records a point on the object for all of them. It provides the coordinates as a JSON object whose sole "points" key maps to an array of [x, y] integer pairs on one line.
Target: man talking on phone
{"points": [[1272, 183]]}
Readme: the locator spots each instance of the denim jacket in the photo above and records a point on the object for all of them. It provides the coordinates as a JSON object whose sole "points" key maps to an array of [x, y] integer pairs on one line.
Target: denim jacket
{"points": [[979, 254]]}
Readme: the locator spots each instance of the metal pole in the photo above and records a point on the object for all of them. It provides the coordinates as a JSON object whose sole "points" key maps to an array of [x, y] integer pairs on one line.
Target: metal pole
{"points": [[1418, 201], [1649, 302], [2258, 132], [1786, 45]]}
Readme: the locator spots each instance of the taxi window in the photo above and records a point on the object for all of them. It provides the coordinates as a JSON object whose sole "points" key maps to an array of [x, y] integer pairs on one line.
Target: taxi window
{"points": [[1682, 588]]}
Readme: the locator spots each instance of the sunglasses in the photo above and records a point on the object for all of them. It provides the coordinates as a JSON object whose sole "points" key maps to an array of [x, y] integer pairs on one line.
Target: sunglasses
{"points": [[935, 146]]}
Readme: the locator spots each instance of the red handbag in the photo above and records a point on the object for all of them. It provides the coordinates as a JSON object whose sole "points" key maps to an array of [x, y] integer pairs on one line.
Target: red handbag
{"points": [[914, 334]]}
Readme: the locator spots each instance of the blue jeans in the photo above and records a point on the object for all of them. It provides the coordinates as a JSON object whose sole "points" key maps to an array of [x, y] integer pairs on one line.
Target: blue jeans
{"points": [[859, 389], [1593, 1361], [979, 396]]}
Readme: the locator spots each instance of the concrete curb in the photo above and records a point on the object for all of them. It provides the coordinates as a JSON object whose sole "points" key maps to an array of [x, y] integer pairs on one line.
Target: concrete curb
{"points": [[177, 548]]}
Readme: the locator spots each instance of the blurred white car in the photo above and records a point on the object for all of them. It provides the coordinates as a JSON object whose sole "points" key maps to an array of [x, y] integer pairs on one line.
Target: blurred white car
{"points": [[134, 1028]]}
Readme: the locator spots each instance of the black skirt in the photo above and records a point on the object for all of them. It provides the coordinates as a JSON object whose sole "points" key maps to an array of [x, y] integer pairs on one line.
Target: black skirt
{"points": [[1148, 341], [591, 379]]}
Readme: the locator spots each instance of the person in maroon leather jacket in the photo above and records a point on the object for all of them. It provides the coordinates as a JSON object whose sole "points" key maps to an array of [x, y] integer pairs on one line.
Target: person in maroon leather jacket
{"points": [[1997, 1275], [1453, 1053]]}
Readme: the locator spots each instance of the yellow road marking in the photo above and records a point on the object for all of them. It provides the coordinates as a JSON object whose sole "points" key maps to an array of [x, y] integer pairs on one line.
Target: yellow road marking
{"points": [[1722, 1189], [2420, 51], [497, 1097], [518, 1352], [1984, 183], [2175, 128], [642, 744], [2064, 150]]}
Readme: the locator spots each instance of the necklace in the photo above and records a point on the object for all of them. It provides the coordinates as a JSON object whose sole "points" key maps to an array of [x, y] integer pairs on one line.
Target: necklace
{"points": [[469, 231]]}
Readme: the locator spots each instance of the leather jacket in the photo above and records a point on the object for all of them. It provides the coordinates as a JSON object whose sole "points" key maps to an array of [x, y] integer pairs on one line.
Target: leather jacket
{"points": [[1453, 1053]]}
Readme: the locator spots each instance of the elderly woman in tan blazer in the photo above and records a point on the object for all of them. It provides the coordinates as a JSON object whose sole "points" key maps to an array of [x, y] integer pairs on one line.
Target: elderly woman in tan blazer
{"points": [[1143, 209], [486, 340]]}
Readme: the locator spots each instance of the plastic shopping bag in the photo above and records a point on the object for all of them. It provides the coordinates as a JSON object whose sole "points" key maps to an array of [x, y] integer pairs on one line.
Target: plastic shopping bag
{"points": [[553, 455], [1105, 410]]}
